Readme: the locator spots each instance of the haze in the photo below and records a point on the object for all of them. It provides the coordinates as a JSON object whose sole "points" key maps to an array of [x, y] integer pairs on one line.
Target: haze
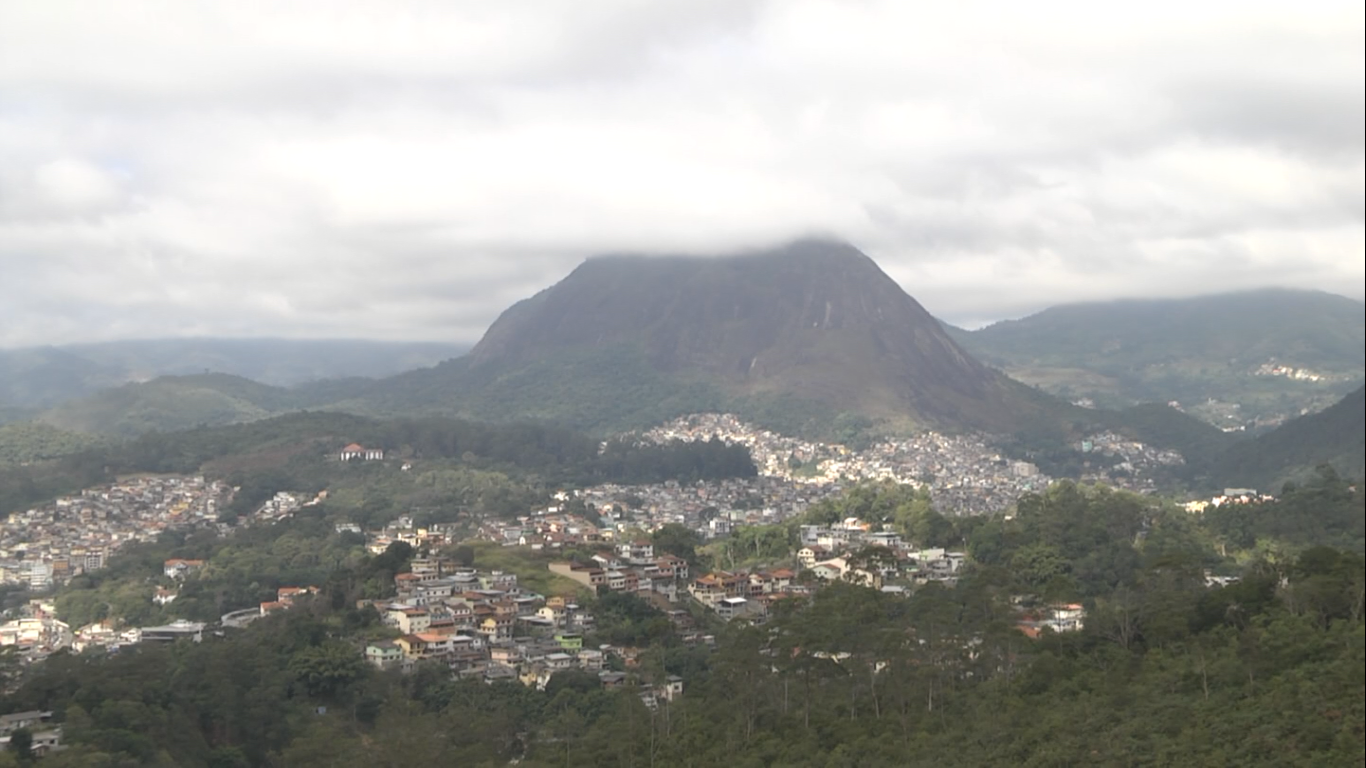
{"points": [[407, 170]]}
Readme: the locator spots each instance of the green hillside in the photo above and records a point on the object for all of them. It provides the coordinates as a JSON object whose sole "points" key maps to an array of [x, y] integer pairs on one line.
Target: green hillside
{"points": [[1189, 350], [171, 403], [1157, 424], [602, 390], [1336, 436], [24, 442]]}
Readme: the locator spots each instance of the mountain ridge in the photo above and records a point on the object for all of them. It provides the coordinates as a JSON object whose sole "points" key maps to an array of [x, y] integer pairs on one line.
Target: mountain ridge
{"points": [[36, 378], [1335, 436], [1223, 348], [811, 339]]}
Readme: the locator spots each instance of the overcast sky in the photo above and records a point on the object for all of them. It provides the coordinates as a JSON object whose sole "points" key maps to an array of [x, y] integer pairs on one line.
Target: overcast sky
{"points": [[406, 170]]}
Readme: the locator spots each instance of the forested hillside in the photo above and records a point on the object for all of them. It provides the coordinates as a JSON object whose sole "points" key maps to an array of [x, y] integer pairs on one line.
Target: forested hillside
{"points": [[1193, 350], [171, 403], [25, 442], [1335, 437]]}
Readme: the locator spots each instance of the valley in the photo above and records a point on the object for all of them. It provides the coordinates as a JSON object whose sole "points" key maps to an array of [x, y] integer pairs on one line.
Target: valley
{"points": [[710, 384]]}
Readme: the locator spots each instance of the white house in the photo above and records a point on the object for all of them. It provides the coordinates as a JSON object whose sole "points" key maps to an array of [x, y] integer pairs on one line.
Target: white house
{"points": [[830, 570], [732, 607]]}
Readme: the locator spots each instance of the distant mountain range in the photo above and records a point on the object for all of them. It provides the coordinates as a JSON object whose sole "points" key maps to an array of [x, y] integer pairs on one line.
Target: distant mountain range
{"points": [[1261, 356], [41, 377], [172, 403], [811, 338]]}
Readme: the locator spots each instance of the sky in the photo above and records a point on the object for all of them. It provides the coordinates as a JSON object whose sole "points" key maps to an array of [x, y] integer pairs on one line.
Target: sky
{"points": [[407, 170]]}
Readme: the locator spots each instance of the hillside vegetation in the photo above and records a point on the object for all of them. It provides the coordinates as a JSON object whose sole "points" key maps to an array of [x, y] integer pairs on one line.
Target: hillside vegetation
{"points": [[24, 442], [1335, 437], [1191, 350], [171, 403]]}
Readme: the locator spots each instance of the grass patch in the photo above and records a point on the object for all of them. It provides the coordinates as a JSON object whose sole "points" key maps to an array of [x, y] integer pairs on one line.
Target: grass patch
{"points": [[530, 566]]}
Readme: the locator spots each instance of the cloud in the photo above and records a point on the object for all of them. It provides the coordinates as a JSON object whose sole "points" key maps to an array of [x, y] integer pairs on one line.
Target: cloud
{"points": [[410, 169]]}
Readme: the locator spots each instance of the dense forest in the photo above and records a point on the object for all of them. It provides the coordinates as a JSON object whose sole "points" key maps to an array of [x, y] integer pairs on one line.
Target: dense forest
{"points": [[1267, 670]]}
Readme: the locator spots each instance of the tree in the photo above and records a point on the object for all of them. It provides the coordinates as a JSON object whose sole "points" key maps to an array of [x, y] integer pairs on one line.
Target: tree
{"points": [[1036, 565], [328, 670], [325, 743], [577, 680], [21, 744], [463, 555], [678, 540]]}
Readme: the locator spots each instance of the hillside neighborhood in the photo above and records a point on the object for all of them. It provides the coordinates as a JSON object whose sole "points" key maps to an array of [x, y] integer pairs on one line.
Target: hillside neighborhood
{"points": [[47, 545], [965, 474], [486, 624]]}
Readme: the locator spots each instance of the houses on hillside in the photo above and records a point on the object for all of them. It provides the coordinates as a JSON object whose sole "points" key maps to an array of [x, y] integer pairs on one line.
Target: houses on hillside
{"points": [[638, 572], [286, 598], [44, 736], [405, 530], [46, 546], [482, 625], [358, 452], [1068, 617]]}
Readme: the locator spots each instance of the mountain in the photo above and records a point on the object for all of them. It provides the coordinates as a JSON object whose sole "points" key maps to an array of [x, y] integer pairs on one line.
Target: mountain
{"points": [[1222, 347], [41, 377], [279, 362], [1336, 436], [814, 327], [171, 403], [808, 339]]}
